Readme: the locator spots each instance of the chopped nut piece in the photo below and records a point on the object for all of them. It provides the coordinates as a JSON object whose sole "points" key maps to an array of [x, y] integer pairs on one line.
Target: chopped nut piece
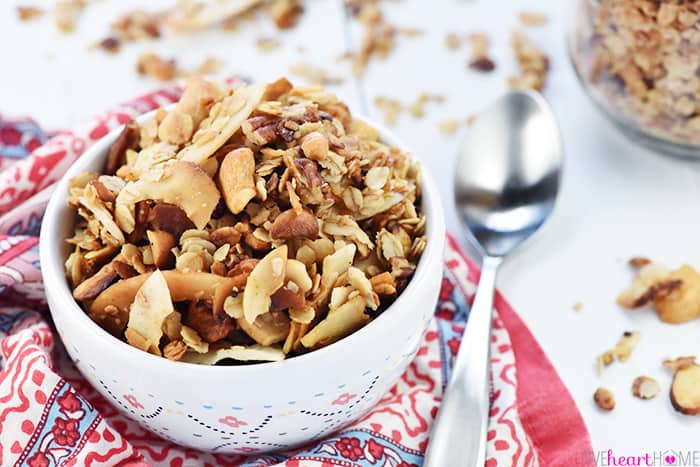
{"points": [[152, 65], [604, 399], [236, 178], [94, 285], [291, 224], [645, 387], [685, 389], [533, 18], [28, 13], [578, 306]]}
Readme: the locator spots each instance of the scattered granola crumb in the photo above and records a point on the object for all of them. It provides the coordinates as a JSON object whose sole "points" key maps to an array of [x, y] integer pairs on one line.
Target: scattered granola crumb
{"points": [[645, 387], [578, 306], [453, 41], [533, 18], [483, 64], [479, 59], [28, 13], [449, 127], [152, 65], [604, 399], [638, 262], [411, 32], [622, 350], [286, 13], [135, 25], [417, 107], [379, 37], [265, 44], [315, 75], [534, 64], [66, 14], [391, 108], [109, 45], [470, 120]]}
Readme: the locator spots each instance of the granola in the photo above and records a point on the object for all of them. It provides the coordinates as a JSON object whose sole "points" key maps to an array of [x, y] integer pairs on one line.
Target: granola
{"points": [[640, 60], [534, 64], [675, 295], [252, 224]]}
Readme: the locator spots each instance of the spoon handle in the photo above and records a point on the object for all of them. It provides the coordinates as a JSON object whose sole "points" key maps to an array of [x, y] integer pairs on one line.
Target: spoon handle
{"points": [[458, 437]]}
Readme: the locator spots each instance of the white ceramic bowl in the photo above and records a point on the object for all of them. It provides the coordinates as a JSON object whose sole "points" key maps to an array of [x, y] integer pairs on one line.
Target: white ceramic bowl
{"points": [[241, 409]]}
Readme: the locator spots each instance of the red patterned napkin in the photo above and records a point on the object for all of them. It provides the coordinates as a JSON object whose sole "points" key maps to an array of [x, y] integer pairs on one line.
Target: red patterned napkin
{"points": [[43, 399]]}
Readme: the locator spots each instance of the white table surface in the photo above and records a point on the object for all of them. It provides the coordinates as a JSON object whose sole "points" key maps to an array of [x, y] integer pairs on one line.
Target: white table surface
{"points": [[617, 201]]}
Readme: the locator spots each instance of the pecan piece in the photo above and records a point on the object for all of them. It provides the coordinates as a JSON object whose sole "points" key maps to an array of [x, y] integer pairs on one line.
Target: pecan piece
{"points": [[212, 329]]}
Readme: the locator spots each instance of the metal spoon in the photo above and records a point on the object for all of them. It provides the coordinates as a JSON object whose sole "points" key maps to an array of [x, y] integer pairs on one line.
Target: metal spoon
{"points": [[507, 179]]}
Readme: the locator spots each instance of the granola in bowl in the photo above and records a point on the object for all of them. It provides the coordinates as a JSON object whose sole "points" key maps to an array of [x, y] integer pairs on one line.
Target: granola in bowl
{"points": [[241, 225]]}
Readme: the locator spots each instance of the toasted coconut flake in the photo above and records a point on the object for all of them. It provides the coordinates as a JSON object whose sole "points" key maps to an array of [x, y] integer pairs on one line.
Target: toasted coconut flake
{"points": [[252, 353], [151, 306], [225, 118], [344, 320], [193, 340], [263, 281], [179, 182], [268, 328]]}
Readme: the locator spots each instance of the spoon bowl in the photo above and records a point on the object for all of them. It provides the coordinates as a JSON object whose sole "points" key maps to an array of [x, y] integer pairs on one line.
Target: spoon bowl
{"points": [[508, 172], [507, 179]]}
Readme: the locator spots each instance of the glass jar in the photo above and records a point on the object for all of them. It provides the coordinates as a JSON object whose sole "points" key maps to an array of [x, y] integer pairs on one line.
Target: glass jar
{"points": [[640, 61]]}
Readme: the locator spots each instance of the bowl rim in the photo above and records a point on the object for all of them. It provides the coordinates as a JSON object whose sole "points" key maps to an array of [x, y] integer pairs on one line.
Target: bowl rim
{"points": [[53, 271]]}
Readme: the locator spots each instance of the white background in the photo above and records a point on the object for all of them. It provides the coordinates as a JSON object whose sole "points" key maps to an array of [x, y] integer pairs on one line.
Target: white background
{"points": [[618, 200]]}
